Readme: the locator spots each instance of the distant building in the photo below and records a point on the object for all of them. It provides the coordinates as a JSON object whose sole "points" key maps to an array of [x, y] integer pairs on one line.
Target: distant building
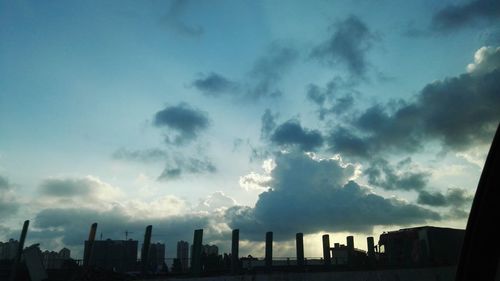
{"points": [[65, 253], [115, 255], [345, 255], [210, 250], [156, 256], [424, 245], [55, 260], [8, 249], [183, 254]]}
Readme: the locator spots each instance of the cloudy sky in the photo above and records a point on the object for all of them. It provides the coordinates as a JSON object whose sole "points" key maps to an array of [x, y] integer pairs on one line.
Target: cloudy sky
{"points": [[339, 117]]}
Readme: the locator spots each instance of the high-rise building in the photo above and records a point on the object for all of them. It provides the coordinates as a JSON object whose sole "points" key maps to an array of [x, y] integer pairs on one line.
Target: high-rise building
{"points": [[183, 254], [50, 259], [115, 255], [156, 256], [8, 249]]}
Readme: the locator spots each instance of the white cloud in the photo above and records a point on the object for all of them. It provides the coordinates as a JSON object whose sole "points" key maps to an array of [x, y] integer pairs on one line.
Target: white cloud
{"points": [[216, 201], [255, 181], [486, 59]]}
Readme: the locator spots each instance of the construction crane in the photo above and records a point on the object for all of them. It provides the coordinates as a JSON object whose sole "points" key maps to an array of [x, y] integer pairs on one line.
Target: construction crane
{"points": [[127, 233]]}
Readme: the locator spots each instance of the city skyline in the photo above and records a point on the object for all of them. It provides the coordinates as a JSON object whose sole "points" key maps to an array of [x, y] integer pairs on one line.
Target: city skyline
{"points": [[319, 118], [435, 248]]}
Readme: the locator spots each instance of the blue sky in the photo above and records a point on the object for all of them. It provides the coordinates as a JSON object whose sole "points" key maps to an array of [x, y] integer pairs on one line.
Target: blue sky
{"points": [[192, 115]]}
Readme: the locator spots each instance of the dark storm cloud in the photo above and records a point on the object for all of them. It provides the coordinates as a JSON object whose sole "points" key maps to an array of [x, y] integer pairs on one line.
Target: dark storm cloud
{"points": [[214, 84], [146, 155], [268, 123], [454, 16], [431, 198], [268, 70], [380, 173], [454, 197], [184, 121], [173, 20], [291, 133], [459, 112], [68, 187], [180, 166], [458, 197], [344, 141], [348, 45], [9, 204], [318, 195]]}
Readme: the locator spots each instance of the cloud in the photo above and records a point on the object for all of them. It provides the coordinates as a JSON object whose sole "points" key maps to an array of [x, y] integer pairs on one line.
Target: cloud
{"points": [[184, 123], [255, 181], [490, 36], [380, 173], [486, 60], [181, 165], [69, 187], [431, 198], [344, 141], [292, 134], [173, 20], [456, 197], [459, 197], [318, 96], [173, 219], [4, 183], [458, 112], [146, 155], [87, 191], [268, 70], [215, 85], [9, 204], [268, 121], [348, 45], [453, 17], [335, 98], [176, 164], [309, 195], [261, 81], [216, 201]]}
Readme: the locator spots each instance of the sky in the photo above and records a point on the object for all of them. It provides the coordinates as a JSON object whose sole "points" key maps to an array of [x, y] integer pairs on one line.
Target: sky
{"points": [[337, 117]]}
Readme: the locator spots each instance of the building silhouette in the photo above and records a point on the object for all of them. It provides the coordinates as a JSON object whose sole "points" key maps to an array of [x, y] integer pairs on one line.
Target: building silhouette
{"points": [[210, 250], [345, 255], [426, 245], [183, 254], [113, 255], [55, 260], [8, 249], [156, 257]]}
